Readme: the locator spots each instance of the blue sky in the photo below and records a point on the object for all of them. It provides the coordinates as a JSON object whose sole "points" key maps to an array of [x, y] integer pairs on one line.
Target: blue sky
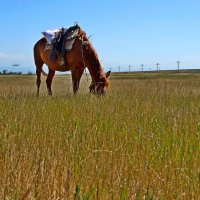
{"points": [[127, 32]]}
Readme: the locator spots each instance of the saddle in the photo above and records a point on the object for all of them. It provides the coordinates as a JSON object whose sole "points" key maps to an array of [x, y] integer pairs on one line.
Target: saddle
{"points": [[57, 39]]}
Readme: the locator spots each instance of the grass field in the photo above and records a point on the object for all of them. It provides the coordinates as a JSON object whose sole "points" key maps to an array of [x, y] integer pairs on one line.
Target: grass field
{"points": [[141, 141]]}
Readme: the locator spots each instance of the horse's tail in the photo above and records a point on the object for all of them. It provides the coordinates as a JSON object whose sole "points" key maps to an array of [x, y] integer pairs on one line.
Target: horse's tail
{"points": [[44, 73]]}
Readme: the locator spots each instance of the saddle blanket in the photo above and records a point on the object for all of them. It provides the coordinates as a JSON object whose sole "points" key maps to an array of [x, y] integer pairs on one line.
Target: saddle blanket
{"points": [[50, 35]]}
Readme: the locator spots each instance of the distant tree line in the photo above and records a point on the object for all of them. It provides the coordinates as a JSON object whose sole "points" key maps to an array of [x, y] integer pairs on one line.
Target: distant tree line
{"points": [[6, 72]]}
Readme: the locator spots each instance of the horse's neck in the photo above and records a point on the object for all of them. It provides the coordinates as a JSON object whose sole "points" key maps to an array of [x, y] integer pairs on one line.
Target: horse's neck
{"points": [[94, 66]]}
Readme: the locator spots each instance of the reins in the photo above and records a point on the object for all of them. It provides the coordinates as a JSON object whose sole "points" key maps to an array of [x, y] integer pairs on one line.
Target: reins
{"points": [[83, 58]]}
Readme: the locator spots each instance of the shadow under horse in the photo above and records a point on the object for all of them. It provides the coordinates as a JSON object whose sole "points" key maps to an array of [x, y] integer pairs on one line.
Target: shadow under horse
{"points": [[82, 55]]}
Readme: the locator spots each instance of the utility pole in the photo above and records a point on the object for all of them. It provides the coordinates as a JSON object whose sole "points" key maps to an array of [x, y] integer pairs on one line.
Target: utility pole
{"points": [[119, 68], [142, 67], [157, 64], [129, 68], [178, 64]]}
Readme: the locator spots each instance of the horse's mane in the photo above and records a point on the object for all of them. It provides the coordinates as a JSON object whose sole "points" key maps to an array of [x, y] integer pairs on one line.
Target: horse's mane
{"points": [[88, 46]]}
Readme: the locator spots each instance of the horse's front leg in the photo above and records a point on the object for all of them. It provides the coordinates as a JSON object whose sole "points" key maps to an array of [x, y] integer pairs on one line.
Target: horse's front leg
{"points": [[76, 76]]}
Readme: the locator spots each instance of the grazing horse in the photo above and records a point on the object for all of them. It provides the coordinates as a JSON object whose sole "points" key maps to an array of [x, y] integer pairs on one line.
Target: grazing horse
{"points": [[82, 55]]}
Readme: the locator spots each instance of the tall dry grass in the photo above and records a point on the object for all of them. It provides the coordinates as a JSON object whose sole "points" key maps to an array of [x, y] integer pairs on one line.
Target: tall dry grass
{"points": [[141, 141]]}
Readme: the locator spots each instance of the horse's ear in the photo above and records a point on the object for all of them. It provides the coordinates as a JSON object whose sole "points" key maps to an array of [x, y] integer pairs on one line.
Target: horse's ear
{"points": [[108, 74]]}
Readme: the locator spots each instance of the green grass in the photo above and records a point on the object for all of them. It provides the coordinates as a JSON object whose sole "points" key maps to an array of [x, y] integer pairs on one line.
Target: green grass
{"points": [[141, 141]]}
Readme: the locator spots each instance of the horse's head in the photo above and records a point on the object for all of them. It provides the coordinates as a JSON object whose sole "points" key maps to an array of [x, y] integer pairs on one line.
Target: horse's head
{"points": [[99, 87]]}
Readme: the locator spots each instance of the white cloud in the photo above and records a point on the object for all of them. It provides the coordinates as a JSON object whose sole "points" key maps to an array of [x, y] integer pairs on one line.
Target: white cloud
{"points": [[3, 55]]}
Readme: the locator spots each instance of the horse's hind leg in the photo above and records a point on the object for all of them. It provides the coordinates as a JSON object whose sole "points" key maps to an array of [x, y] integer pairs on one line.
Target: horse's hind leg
{"points": [[38, 63], [49, 80], [38, 81]]}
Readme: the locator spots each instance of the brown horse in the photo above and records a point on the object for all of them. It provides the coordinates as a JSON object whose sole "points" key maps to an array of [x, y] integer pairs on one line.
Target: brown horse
{"points": [[82, 55]]}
